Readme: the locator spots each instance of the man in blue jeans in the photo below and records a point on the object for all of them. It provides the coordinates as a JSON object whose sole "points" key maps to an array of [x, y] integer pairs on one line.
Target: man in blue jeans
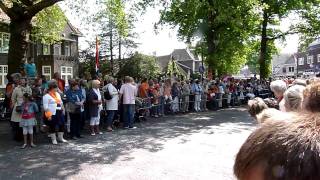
{"points": [[128, 92]]}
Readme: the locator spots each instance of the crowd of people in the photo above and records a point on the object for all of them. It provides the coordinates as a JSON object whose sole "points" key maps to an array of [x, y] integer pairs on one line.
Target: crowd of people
{"points": [[286, 143], [284, 146], [58, 107]]}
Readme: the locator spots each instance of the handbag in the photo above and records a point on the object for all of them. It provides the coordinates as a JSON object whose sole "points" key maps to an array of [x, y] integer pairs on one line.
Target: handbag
{"points": [[73, 108], [19, 109]]}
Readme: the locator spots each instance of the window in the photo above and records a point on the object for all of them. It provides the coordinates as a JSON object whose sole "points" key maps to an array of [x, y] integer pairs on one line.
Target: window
{"points": [[3, 74], [66, 73], [291, 69], [46, 71], [310, 60], [67, 49], [284, 69], [46, 49], [301, 61], [39, 49], [4, 42], [57, 49]]}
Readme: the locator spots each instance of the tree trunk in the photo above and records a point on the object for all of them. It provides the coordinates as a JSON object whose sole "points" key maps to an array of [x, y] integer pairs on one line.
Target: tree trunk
{"points": [[19, 39], [263, 48]]}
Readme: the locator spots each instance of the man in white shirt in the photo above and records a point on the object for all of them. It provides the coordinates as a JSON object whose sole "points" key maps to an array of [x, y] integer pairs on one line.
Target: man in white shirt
{"points": [[128, 92]]}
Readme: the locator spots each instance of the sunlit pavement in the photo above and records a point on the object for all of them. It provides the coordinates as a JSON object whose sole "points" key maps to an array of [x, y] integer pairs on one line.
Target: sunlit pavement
{"points": [[194, 146]]}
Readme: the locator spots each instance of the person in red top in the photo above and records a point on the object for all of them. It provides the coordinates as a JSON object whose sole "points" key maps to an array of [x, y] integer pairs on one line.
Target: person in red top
{"points": [[143, 89], [61, 83]]}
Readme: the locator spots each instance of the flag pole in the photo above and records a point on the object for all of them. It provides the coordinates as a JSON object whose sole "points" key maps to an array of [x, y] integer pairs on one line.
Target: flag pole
{"points": [[97, 55]]}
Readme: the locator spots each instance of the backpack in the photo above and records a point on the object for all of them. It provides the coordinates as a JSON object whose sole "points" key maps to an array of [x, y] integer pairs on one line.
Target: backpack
{"points": [[107, 95]]}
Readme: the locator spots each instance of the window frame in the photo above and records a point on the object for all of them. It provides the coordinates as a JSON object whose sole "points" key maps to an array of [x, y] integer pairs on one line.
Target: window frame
{"points": [[43, 48], [47, 74], [291, 68], [66, 73], [2, 42], [301, 61], [57, 46], [310, 59], [67, 46], [3, 75]]}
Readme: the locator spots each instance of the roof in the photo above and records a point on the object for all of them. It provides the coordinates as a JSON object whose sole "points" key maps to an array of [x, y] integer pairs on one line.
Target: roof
{"points": [[184, 55], [290, 60], [163, 61], [75, 30], [4, 18], [280, 59], [314, 43]]}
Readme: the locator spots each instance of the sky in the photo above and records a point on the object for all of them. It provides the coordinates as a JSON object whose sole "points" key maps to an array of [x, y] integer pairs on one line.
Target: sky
{"points": [[165, 41]]}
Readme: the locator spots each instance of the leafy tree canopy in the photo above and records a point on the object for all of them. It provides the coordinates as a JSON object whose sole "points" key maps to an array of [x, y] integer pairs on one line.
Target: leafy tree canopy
{"points": [[140, 66]]}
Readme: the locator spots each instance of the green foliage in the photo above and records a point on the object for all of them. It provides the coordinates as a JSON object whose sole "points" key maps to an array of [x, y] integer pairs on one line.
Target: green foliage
{"points": [[140, 66], [223, 25], [173, 69], [49, 23], [115, 10]]}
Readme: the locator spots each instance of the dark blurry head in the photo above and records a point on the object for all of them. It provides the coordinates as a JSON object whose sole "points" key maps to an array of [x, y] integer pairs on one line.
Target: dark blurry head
{"points": [[286, 149], [256, 106], [311, 98], [52, 85]]}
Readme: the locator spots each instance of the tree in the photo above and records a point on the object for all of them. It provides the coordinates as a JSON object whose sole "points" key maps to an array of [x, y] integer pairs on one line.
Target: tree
{"points": [[140, 66], [272, 12], [21, 14], [224, 25]]}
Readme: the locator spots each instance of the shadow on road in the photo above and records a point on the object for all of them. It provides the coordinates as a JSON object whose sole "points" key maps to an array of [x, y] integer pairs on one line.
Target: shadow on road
{"points": [[59, 162]]}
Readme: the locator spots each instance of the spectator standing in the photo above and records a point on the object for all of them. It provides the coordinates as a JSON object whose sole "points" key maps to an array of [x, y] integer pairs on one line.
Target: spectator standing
{"points": [[74, 106], [30, 69], [278, 87], [28, 120], [197, 91], [84, 112], [175, 91], [204, 96], [185, 96], [95, 107], [8, 93], [162, 98], [17, 100], [128, 92], [61, 83], [54, 112], [37, 94], [111, 104]]}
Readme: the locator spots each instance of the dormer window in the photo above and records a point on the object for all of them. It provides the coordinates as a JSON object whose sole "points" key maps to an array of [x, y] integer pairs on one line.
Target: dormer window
{"points": [[4, 42], [67, 49]]}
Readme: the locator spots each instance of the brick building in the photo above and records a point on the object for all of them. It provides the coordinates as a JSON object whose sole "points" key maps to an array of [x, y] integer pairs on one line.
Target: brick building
{"points": [[62, 57], [308, 63]]}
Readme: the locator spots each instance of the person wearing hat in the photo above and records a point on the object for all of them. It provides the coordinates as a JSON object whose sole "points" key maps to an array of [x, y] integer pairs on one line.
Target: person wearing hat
{"points": [[54, 112]]}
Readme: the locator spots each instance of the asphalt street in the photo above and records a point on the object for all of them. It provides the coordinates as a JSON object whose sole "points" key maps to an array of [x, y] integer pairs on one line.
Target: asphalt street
{"points": [[197, 146]]}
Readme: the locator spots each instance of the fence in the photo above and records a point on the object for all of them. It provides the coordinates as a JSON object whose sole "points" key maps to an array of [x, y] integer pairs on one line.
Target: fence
{"points": [[215, 102]]}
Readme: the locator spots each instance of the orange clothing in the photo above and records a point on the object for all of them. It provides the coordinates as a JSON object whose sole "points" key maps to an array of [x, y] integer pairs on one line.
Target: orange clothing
{"points": [[61, 84], [143, 90]]}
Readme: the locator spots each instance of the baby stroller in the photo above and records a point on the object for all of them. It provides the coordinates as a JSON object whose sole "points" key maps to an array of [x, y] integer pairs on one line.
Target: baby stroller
{"points": [[141, 110], [5, 113]]}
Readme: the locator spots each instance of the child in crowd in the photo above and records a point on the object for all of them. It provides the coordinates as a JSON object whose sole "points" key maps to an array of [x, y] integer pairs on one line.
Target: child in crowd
{"points": [[28, 119]]}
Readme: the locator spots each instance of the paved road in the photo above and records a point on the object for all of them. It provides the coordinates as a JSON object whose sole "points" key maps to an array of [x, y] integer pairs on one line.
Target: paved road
{"points": [[187, 147]]}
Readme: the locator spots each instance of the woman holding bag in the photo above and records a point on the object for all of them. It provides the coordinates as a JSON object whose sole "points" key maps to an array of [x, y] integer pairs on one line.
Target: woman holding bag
{"points": [[54, 112], [74, 106], [17, 100]]}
